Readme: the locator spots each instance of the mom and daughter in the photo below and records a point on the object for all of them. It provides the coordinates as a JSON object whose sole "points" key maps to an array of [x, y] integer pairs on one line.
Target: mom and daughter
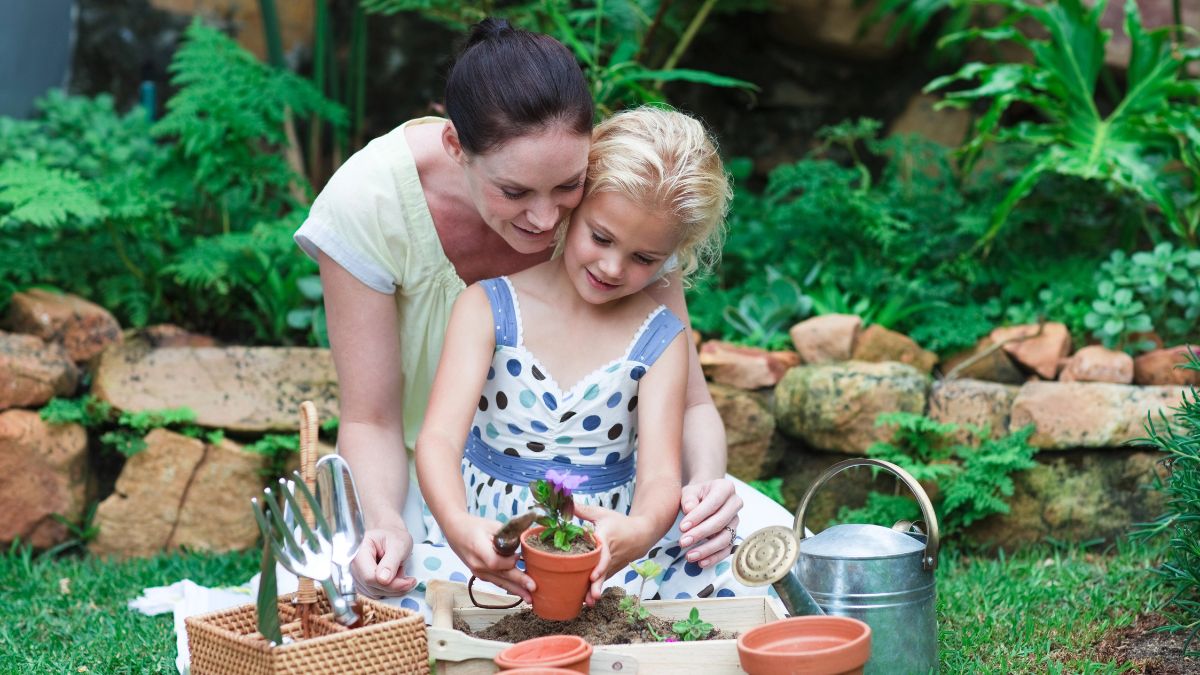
{"points": [[504, 294]]}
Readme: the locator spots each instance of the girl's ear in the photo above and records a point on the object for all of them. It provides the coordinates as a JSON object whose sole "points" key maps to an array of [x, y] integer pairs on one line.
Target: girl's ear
{"points": [[453, 145]]}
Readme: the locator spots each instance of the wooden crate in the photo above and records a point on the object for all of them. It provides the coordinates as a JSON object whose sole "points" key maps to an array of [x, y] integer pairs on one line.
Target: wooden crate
{"points": [[460, 654]]}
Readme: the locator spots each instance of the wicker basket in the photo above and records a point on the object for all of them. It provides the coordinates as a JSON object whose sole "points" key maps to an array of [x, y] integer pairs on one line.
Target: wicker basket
{"points": [[390, 639]]}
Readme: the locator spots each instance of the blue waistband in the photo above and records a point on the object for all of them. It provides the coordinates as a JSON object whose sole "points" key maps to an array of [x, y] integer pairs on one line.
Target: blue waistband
{"points": [[523, 470]]}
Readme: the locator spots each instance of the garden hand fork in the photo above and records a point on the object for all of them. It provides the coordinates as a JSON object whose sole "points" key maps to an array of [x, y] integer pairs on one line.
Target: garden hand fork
{"points": [[304, 551]]}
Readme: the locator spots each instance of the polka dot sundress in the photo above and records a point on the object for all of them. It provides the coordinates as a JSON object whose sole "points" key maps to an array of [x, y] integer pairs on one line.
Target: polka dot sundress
{"points": [[525, 423]]}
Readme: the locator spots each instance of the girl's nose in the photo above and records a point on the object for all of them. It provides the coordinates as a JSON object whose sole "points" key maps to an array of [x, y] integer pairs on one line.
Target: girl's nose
{"points": [[611, 267]]}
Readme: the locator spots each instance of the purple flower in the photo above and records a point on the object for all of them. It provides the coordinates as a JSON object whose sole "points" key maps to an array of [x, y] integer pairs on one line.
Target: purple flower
{"points": [[564, 482]]}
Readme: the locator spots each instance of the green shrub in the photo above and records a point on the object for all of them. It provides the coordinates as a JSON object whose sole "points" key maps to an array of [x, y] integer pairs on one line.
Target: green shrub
{"points": [[124, 432]]}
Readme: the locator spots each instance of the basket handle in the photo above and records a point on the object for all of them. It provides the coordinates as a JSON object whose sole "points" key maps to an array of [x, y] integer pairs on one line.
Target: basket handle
{"points": [[306, 592], [929, 560]]}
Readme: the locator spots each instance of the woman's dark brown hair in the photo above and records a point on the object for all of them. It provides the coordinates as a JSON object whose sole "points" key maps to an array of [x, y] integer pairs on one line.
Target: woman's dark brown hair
{"points": [[510, 82]]}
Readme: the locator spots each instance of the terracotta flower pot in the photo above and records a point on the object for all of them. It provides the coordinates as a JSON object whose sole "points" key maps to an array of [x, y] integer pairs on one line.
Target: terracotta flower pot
{"points": [[538, 670], [814, 645], [562, 579], [550, 654]]}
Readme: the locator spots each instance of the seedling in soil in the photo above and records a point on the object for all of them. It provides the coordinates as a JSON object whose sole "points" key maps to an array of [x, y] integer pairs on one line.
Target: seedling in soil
{"points": [[632, 606], [692, 628]]}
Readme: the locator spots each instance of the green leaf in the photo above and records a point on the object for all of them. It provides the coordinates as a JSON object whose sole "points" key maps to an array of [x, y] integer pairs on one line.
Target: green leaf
{"points": [[268, 612]]}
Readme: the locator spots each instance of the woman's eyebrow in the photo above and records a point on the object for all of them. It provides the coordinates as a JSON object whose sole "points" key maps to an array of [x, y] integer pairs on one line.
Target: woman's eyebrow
{"points": [[517, 185]]}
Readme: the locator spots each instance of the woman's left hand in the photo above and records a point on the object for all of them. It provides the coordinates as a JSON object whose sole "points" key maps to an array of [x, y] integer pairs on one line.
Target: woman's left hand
{"points": [[624, 541], [710, 518]]}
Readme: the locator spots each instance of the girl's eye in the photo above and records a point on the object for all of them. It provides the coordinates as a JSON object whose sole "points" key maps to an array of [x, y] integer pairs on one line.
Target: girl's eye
{"points": [[643, 260], [509, 194], [599, 240]]}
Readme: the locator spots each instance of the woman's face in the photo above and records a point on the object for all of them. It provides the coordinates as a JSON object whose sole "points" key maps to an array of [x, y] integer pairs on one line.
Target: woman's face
{"points": [[616, 246], [527, 186]]}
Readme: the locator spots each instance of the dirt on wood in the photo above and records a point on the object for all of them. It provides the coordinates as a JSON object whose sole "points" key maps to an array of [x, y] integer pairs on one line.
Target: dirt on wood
{"points": [[604, 624]]}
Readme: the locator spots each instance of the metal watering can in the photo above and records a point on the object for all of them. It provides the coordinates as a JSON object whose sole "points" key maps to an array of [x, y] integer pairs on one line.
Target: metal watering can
{"points": [[882, 576]]}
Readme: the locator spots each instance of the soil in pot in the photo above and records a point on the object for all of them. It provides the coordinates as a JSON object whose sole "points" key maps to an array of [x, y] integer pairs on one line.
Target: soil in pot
{"points": [[604, 624], [577, 546]]}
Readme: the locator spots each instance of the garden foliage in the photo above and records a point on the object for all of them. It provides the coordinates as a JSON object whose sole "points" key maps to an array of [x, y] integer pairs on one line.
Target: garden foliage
{"points": [[973, 481], [1179, 438], [125, 432], [186, 221]]}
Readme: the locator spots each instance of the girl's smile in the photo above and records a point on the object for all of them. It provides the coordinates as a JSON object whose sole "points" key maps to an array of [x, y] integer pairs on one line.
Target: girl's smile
{"points": [[614, 247]]}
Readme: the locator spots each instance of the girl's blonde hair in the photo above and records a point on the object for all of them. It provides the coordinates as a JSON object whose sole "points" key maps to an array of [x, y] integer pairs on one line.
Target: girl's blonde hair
{"points": [[665, 160]]}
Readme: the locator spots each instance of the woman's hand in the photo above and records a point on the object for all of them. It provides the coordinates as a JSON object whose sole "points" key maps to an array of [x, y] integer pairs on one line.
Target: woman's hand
{"points": [[471, 538], [710, 517], [378, 567], [624, 538]]}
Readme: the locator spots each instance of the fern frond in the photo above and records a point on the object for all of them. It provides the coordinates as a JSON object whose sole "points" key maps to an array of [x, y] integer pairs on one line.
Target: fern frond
{"points": [[46, 197]]}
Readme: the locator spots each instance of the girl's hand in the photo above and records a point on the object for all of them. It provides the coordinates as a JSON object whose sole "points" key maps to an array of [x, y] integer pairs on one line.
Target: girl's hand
{"points": [[710, 516], [471, 538], [378, 567], [624, 538]]}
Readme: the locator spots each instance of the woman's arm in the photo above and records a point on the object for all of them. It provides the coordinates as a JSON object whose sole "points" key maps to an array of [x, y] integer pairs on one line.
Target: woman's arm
{"points": [[656, 498], [366, 352], [466, 356], [709, 502]]}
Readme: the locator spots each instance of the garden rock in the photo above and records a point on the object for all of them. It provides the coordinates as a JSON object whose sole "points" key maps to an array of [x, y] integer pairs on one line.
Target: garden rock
{"points": [[877, 343], [972, 403], [1098, 364], [834, 406], [32, 372], [180, 491], [826, 338], [1161, 367], [236, 388], [948, 126], [833, 26], [984, 361], [744, 367], [1076, 496], [83, 329], [749, 426], [166, 335], [43, 471], [1042, 354], [1088, 414]]}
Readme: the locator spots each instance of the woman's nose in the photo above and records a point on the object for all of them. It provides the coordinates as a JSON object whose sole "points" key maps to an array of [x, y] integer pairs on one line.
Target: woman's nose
{"points": [[543, 215]]}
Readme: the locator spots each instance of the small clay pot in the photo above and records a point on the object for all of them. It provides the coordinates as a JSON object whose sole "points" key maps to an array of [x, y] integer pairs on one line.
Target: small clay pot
{"points": [[814, 645], [562, 579], [539, 670], [550, 654]]}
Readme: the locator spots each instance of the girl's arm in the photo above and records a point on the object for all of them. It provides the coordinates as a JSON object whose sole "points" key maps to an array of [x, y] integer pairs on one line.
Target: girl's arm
{"points": [[656, 497], [709, 502], [366, 353], [462, 370]]}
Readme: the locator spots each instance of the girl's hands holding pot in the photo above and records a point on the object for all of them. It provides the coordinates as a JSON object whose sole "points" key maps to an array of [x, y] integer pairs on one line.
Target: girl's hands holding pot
{"points": [[625, 539], [471, 538]]}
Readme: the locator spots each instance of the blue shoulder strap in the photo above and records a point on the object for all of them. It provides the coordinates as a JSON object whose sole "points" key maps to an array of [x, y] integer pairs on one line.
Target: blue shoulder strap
{"points": [[662, 329], [504, 316]]}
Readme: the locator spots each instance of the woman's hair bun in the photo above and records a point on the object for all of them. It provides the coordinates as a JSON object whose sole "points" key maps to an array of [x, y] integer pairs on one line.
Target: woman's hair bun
{"points": [[489, 29]]}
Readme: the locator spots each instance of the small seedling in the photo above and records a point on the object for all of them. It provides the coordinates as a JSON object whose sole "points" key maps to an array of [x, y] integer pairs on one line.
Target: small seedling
{"points": [[692, 628], [632, 605]]}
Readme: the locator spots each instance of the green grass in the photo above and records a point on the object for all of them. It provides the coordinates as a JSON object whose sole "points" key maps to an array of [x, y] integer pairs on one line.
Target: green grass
{"points": [[1036, 611]]}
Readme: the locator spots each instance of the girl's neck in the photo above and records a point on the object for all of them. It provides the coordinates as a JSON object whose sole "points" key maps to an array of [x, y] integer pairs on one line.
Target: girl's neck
{"points": [[562, 292]]}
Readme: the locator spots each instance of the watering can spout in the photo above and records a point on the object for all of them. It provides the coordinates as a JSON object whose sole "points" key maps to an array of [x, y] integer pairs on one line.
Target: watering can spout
{"points": [[768, 557]]}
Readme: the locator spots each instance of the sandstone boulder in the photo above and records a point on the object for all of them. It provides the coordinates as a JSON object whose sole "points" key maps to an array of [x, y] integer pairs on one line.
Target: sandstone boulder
{"points": [[179, 491], [984, 361], [32, 372], [83, 329], [235, 388], [826, 338], [43, 471], [877, 344], [1163, 367], [744, 367], [1097, 364], [749, 426], [833, 26], [972, 403], [1088, 414], [1042, 353], [834, 406], [165, 335], [948, 126]]}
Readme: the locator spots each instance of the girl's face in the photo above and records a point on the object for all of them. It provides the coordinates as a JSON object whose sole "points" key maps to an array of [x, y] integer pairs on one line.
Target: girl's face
{"points": [[527, 186], [614, 246]]}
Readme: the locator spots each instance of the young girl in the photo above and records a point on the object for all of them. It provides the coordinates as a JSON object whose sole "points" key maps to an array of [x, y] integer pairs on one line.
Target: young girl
{"points": [[571, 365]]}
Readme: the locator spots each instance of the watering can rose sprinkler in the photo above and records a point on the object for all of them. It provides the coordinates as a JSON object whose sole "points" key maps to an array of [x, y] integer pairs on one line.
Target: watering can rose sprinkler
{"points": [[881, 576], [562, 577]]}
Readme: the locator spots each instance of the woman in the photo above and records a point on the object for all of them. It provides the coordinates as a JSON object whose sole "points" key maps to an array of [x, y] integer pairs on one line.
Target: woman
{"points": [[434, 205]]}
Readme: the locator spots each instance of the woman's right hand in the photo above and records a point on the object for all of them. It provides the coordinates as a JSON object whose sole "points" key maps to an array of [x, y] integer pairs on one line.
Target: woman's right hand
{"points": [[378, 567], [471, 538]]}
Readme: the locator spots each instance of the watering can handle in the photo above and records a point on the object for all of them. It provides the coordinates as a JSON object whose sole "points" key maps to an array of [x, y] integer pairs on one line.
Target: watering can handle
{"points": [[929, 560]]}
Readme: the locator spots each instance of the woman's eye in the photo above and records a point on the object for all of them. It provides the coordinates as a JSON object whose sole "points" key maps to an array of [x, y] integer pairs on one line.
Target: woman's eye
{"points": [[598, 239], [572, 187], [510, 194]]}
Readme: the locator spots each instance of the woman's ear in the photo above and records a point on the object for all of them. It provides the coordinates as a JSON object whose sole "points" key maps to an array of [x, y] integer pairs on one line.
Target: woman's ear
{"points": [[453, 145]]}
